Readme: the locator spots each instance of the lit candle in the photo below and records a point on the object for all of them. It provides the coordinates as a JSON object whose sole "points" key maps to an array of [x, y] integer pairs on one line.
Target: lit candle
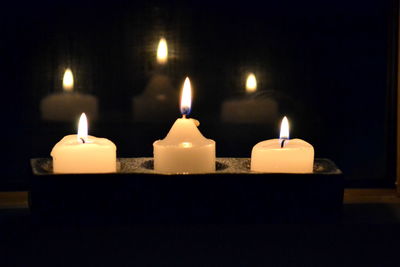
{"points": [[184, 149], [68, 105], [83, 153], [283, 155], [252, 108]]}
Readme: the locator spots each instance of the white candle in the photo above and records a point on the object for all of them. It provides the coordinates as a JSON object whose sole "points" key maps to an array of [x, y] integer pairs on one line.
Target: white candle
{"points": [[250, 109], [283, 155], [83, 153], [184, 149], [67, 106]]}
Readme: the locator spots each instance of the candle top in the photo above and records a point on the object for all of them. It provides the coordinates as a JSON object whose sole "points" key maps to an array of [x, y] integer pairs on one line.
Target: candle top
{"points": [[289, 144], [184, 133], [72, 139]]}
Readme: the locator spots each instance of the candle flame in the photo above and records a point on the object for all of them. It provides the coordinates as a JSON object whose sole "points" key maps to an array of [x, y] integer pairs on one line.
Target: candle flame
{"points": [[162, 51], [284, 129], [186, 97], [68, 80], [83, 129], [251, 83]]}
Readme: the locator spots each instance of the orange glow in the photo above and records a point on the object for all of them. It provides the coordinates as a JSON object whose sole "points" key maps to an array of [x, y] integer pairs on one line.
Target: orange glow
{"points": [[68, 81], [251, 83], [162, 51]]}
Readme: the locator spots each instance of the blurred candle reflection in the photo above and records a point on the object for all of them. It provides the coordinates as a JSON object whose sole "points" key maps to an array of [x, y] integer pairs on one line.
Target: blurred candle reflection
{"points": [[254, 107], [69, 104], [158, 101], [251, 83], [162, 51]]}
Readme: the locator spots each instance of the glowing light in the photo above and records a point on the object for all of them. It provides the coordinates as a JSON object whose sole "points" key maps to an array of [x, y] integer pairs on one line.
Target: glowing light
{"points": [[83, 129], [284, 129], [162, 51], [251, 83], [68, 80], [186, 144], [186, 97]]}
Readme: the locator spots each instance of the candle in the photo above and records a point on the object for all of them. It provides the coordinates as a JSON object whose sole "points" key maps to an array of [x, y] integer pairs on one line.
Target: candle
{"points": [[283, 155], [83, 153], [67, 106], [159, 99], [184, 149], [253, 108]]}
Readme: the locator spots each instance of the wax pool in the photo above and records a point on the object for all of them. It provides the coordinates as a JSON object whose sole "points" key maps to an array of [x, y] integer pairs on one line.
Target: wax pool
{"points": [[296, 156]]}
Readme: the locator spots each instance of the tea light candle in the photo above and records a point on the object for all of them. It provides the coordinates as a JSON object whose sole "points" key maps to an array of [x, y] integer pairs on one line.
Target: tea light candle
{"points": [[83, 153], [67, 105], [184, 149], [283, 155]]}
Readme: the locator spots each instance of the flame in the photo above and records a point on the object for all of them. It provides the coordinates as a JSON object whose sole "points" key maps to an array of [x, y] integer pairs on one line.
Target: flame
{"points": [[251, 83], [68, 80], [284, 129], [82, 129], [162, 51], [186, 97]]}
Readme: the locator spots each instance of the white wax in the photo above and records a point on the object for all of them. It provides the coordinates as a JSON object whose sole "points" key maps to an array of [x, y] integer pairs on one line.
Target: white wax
{"points": [[184, 150], [97, 155], [257, 111], [297, 156], [68, 106]]}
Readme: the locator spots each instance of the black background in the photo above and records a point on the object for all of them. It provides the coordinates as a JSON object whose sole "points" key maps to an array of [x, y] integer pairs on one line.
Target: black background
{"points": [[328, 64]]}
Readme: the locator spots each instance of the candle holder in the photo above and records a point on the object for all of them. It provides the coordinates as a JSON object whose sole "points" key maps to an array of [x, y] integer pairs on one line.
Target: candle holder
{"points": [[231, 194]]}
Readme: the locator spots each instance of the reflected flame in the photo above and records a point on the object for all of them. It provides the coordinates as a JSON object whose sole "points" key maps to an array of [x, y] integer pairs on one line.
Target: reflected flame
{"points": [[162, 51], [68, 80], [284, 129], [82, 129], [186, 97], [251, 83], [186, 144]]}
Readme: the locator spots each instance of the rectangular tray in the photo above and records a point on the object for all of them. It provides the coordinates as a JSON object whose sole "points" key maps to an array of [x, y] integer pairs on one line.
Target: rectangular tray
{"points": [[231, 194]]}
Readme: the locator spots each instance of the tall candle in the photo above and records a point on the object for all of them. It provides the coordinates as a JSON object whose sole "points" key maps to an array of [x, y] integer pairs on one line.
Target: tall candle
{"points": [[67, 106], [184, 149], [83, 153], [283, 155]]}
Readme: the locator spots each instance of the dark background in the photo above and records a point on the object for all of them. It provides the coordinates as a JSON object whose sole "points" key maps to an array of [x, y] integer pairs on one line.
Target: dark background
{"points": [[328, 64]]}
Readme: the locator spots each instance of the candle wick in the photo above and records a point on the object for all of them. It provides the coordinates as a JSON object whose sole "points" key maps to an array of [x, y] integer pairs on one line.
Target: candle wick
{"points": [[183, 116], [83, 140], [283, 143]]}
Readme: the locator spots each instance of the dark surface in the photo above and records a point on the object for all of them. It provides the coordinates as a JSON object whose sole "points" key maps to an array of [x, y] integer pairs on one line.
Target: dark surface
{"points": [[29, 244], [231, 195]]}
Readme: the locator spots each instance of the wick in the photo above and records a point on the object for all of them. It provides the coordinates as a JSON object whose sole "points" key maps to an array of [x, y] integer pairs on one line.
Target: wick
{"points": [[83, 140], [183, 116], [283, 143]]}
